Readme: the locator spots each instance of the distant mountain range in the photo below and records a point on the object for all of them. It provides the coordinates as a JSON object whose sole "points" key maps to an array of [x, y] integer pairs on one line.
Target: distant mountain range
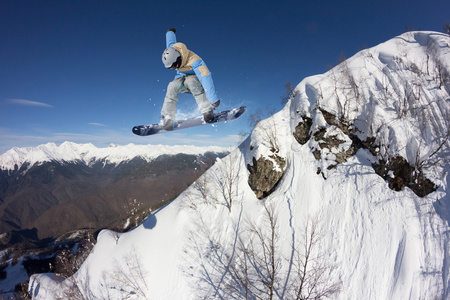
{"points": [[89, 154], [48, 190]]}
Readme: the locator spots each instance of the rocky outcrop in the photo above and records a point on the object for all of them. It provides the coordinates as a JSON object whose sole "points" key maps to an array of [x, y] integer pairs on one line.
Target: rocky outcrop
{"points": [[265, 173], [400, 174], [302, 132], [335, 143]]}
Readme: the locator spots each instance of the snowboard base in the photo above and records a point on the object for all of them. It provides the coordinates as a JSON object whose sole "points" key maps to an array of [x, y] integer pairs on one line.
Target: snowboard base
{"points": [[223, 116]]}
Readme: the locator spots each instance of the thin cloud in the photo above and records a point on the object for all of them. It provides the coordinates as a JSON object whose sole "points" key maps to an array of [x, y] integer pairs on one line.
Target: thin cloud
{"points": [[201, 136], [10, 138], [28, 103], [97, 124]]}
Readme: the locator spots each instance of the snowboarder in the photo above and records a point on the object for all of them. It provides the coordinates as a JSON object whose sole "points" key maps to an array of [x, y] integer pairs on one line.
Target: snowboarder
{"points": [[192, 77]]}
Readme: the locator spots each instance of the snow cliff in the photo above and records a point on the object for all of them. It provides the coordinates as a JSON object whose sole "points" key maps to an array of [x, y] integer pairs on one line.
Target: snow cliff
{"points": [[330, 219]]}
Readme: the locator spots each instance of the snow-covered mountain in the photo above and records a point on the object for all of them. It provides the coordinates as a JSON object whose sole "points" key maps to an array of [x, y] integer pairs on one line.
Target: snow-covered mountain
{"points": [[89, 154], [41, 187], [343, 193]]}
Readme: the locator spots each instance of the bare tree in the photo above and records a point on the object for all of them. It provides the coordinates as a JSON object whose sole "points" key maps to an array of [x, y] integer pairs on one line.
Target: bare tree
{"points": [[311, 267], [350, 89], [446, 28], [255, 269], [201, 192], [336, 91], [288, 94], [239, 271], [442, 74], [255, 118], [440, 152], [411, 27], [226, 182], [128, 276], [72, 289], [264, 255], [266, 128], [219, 187], [251, 264]]}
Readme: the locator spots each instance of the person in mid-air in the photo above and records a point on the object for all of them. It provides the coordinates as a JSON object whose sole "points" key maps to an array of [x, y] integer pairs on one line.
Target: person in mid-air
{"points": [[192, 77]]}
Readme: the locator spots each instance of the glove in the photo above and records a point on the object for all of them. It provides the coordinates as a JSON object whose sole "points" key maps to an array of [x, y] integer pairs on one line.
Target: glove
{"points": [[172, 29]]}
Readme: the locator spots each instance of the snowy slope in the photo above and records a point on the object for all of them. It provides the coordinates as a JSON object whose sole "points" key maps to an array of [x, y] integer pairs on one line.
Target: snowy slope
{"points": [[89, 154], [371, 242]]}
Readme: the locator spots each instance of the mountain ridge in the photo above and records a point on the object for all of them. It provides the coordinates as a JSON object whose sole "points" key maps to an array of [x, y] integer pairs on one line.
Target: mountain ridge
{"points": [[82, 186], [89, 154]]}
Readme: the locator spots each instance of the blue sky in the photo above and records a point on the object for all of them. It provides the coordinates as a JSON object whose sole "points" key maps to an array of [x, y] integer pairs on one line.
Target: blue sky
{"points": [[88, 71]]}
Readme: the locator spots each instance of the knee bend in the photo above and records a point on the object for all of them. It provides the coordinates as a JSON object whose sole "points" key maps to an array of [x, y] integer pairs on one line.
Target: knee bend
{"points": [[173, 87], [195, 86]]}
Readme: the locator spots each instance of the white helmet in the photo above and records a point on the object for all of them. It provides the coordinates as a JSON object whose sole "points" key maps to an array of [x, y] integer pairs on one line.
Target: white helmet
{"points": [[171, 57]]}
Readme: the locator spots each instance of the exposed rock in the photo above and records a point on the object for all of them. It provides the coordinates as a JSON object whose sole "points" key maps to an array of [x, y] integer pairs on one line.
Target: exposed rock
{"points": [[264, 175], [302, 131], [317, 154], [400, 174], [333, 147], [327, 141], [329, 117], [341, 123], [341, 157]]}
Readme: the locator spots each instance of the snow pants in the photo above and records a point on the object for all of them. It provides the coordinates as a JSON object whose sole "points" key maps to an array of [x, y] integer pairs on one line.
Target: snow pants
{"points": [[186, 84]]}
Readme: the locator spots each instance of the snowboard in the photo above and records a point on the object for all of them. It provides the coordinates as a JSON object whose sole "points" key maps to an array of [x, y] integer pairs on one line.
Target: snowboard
{"points": [[222, 116]]}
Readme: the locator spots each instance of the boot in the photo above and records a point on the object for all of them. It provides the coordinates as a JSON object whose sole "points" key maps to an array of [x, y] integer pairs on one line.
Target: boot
{"points": [[208, 116], [168, 124]]}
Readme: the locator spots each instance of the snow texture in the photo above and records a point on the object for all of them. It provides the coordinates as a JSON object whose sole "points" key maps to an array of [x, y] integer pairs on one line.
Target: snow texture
{"points": [[377, 243]]}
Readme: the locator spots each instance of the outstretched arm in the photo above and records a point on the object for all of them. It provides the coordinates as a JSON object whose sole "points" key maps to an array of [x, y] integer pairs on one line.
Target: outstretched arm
{"points": [[171, 38]]}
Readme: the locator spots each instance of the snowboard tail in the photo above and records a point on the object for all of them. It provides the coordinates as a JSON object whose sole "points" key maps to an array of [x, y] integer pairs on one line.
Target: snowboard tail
{"points": [[223, 116]]}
